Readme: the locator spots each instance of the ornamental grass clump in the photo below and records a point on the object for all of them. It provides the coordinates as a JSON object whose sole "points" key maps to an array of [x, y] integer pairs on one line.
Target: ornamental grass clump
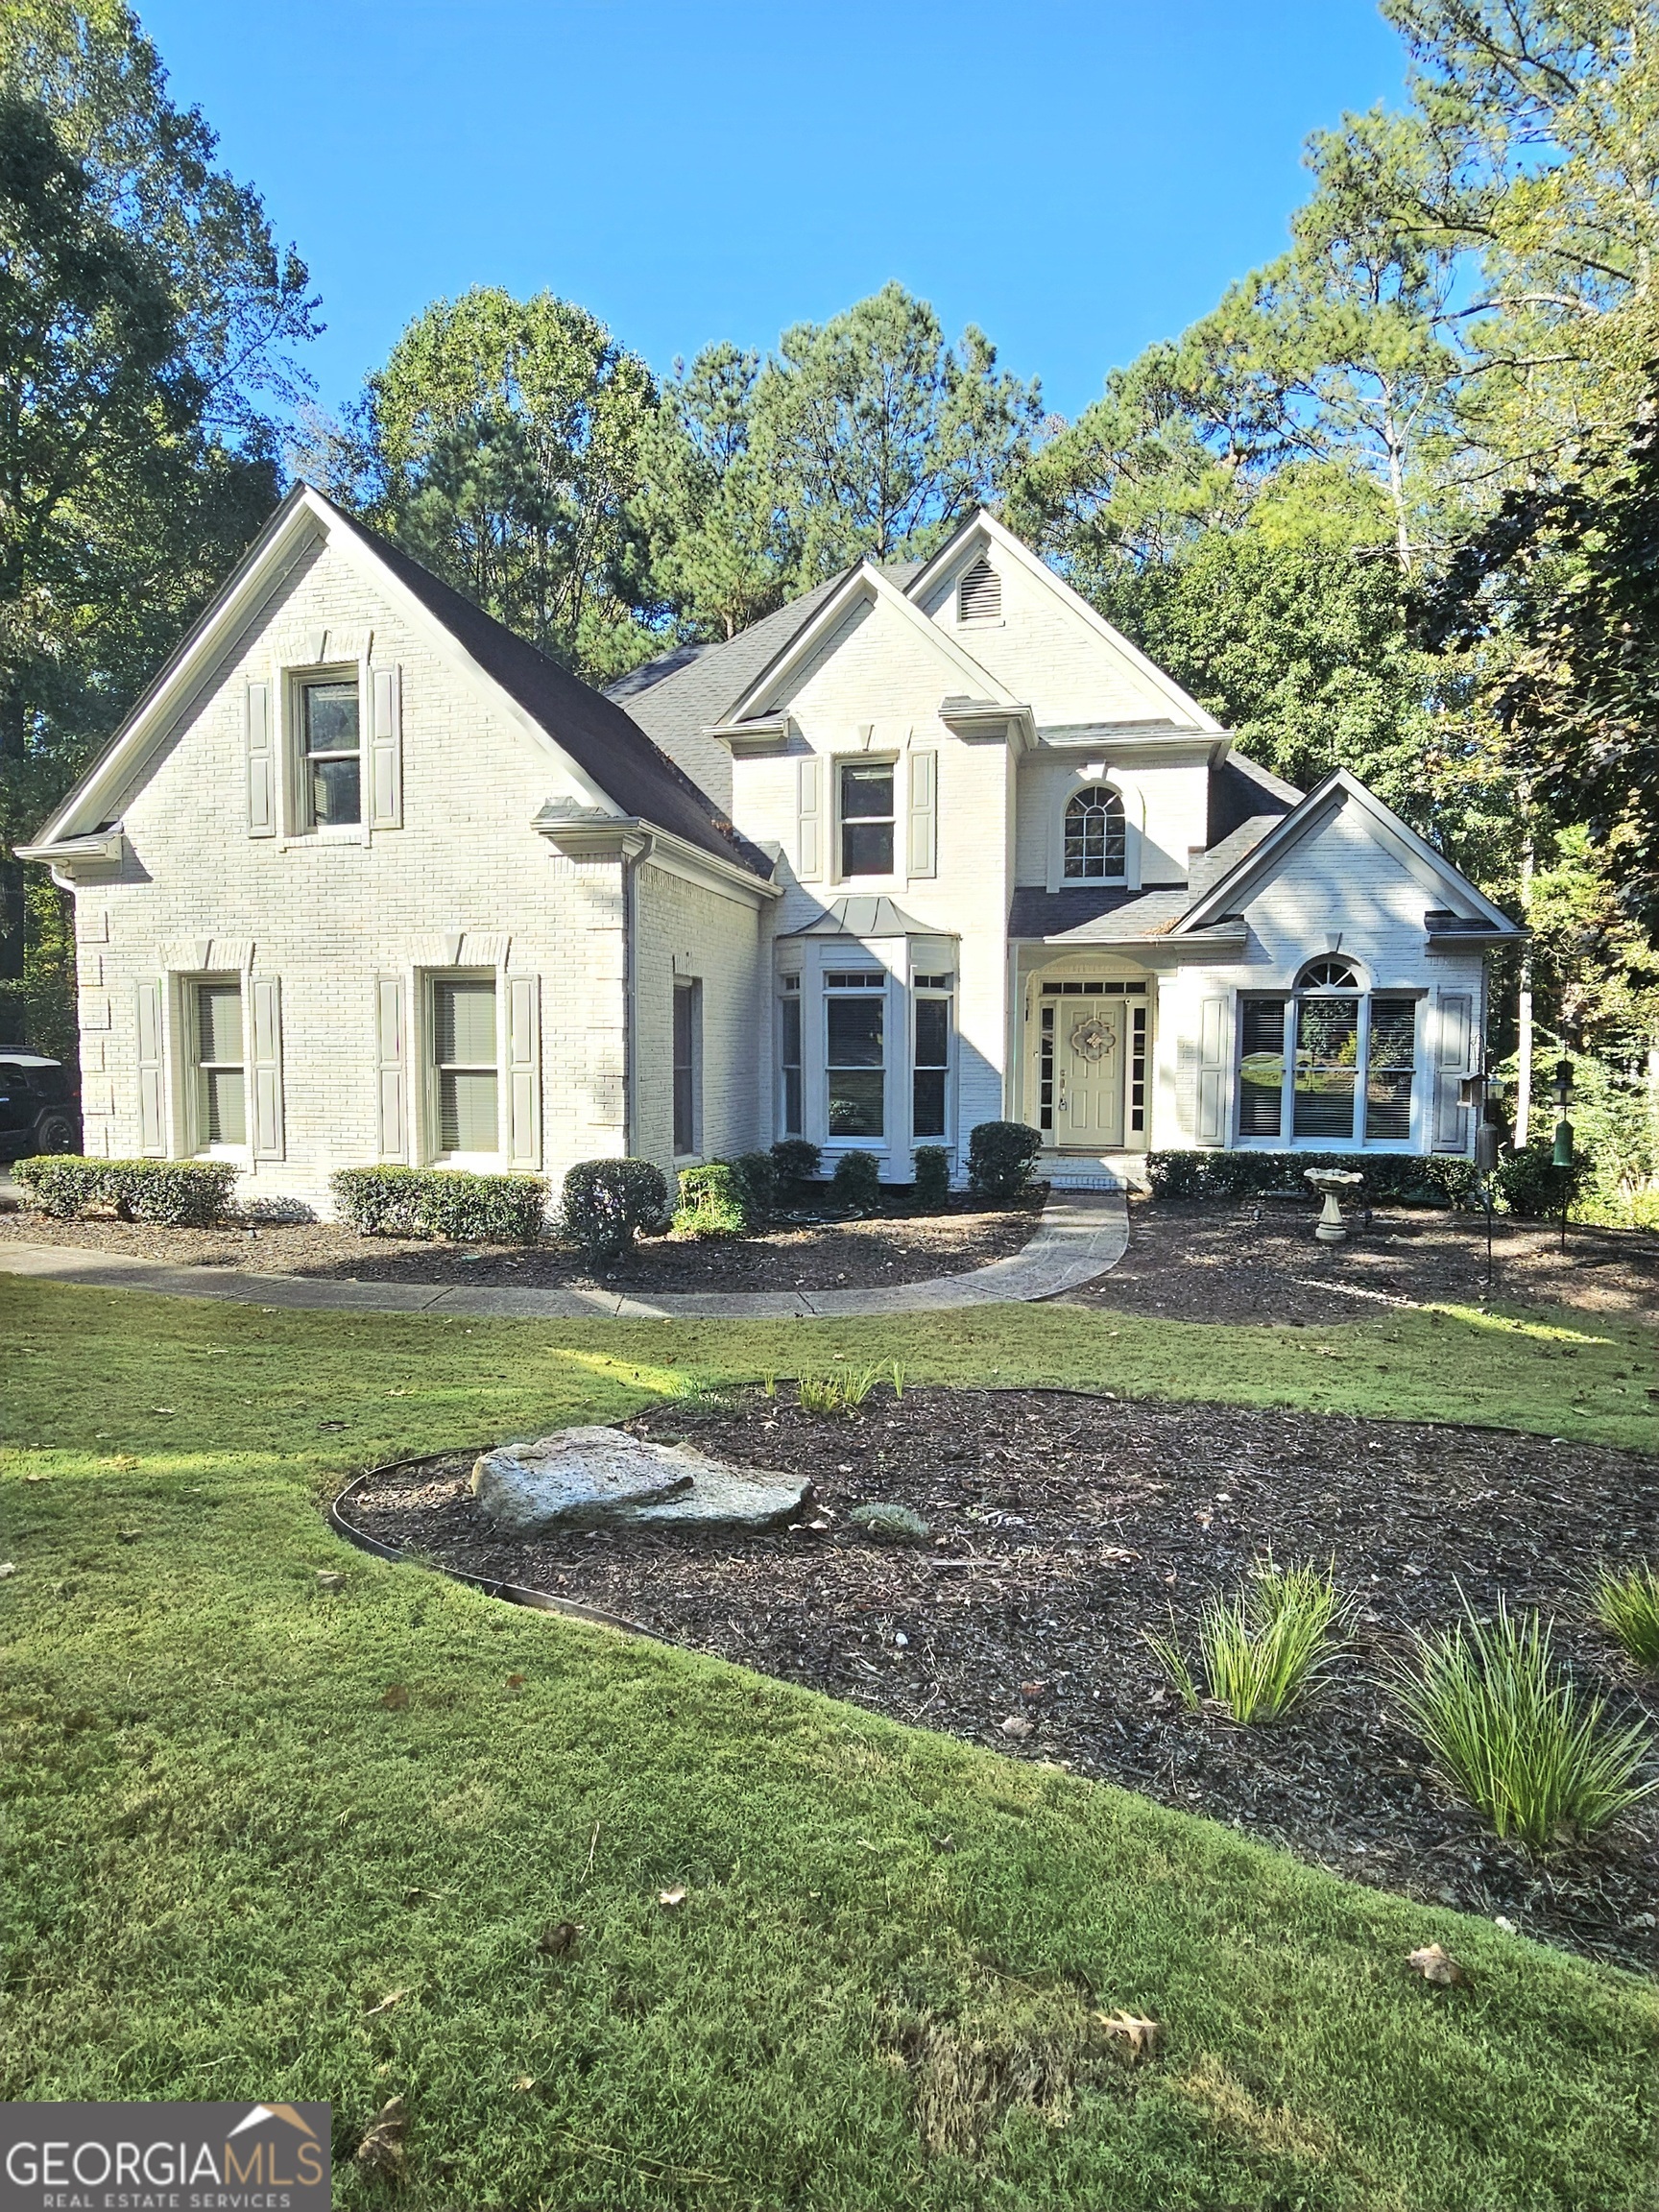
{"points": [[1510, 1735], [1264, 1651], [891, 1524], [1628, 1606]]}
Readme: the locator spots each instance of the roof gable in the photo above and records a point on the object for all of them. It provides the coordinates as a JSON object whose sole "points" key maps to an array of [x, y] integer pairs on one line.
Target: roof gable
{"points": [[601, 752], [1338, 792], [933, 590]]}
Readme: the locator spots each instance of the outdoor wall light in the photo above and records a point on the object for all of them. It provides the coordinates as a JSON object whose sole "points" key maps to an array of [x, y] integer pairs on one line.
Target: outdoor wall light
{"points": [[1562, 1155]]}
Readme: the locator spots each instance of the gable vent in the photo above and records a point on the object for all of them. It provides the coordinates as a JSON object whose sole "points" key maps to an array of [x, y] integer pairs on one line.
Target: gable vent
{"points": [[979, 594]]}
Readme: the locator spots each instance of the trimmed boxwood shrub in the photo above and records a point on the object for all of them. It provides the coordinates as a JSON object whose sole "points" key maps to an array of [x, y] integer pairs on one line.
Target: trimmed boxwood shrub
{"points": [[441, 1202], [172, 1193], [711, 1202], [796, 1160], [608, 1202], [756, 1179], [1000, 1158], [855, 1186], [1431, 1179], [933, 1172]]}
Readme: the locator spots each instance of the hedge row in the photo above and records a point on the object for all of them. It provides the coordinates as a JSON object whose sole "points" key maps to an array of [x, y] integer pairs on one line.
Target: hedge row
{"points": [[172, 1193], [1524, 1182], [441, 1202]]}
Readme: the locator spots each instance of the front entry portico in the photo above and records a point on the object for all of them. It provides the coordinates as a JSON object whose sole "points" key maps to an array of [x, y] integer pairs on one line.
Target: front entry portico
{"points": [[1087, 1060]]}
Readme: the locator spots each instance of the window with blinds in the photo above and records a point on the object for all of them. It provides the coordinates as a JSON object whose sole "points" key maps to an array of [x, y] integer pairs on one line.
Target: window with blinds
{"points": [[221, 1070], [465, 1056]]}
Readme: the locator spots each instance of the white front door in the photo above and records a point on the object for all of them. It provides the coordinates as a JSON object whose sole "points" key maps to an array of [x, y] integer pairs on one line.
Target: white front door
{"points": [[1086, 1039]]}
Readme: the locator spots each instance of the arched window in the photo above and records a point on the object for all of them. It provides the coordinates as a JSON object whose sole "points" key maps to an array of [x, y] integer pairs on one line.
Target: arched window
{"points": [[1093, 835], [1331, 1061], [979, 594], [1330, 975]]}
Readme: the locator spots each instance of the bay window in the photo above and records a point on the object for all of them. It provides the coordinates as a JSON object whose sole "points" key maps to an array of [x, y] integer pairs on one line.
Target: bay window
{"points": [[931, 1059], [856, 1052], [791, 1103]]}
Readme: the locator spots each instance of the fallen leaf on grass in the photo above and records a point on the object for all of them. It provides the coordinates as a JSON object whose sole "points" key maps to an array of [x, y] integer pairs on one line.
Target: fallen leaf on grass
{"points": [[128, 1535], [1133, 2029], [1438, 1966], [162, 1410], [525, 2081], [381, 2150], [8, 1567], [514, 1681], [396, 1699], [672, 1897], [554, 1940], [330, 1578], [392, 1997]]}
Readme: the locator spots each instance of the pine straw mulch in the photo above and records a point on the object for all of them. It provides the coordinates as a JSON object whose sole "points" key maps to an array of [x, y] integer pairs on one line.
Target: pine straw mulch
{"points": [[1063, 1526], [1257, 1260], [801, 1253]]}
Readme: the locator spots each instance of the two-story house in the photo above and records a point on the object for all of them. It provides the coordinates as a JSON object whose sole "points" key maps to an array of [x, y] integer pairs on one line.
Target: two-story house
{"points": [[364, 877]]}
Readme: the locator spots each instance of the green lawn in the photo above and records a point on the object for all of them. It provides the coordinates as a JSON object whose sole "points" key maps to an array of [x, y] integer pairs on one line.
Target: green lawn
{"points": [[226, 1852]]}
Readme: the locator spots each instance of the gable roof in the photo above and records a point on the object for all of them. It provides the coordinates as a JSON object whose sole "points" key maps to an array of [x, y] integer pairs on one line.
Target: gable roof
{"points": [[983, 527], [602, 742], [1321, 806]]}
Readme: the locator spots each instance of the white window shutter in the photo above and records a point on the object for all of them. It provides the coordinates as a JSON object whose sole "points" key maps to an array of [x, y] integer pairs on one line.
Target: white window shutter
{"points": [[523, 1072], [265, 1067], [392, 1055], [923, 813], [1457, 1014], [808, 819], [1210, 1122], [386, 749], [152, 1121], [261, 739]]}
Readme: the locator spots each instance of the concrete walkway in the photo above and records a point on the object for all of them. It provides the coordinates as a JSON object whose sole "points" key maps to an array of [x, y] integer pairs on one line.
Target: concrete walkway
{"points": [[1080, 1234]]}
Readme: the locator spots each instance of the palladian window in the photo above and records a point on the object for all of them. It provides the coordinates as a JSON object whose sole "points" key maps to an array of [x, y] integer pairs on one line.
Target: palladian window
{"points": [[1329, 1062], [1094, 840]]}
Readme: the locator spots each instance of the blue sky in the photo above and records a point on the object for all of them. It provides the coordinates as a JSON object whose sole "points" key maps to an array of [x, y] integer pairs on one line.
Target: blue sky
{"points": [[1077, 178]]}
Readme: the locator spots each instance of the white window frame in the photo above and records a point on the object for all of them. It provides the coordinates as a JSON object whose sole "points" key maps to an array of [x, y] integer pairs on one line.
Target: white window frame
{"points": [[1366, 992], [791, 992], [433, 1156], [878, 987], [198, 1145], [295, 681], [1068, 882], [897, 822], [692, 986], [936, 985]]}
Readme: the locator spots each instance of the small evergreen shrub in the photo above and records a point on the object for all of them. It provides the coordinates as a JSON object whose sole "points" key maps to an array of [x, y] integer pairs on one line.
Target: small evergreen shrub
{"points": [[1628, 1606], [855, 1186], [1512, 1737], [608, 1202], [171, 1194], [756, 1179], [932, 1178], [1529, 1184], [794, 1160], [1433, 1179], [891, 1524], [442, 1203], [1000, 1158], [711, 1202]]}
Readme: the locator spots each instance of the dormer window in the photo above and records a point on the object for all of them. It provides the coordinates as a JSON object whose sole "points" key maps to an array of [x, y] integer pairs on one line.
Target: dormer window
{"points": [[1094, 843], [979, 594]]}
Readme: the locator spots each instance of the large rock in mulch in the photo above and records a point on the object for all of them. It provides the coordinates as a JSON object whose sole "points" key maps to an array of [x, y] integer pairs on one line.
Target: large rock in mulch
{"points": [[601, 1477]]}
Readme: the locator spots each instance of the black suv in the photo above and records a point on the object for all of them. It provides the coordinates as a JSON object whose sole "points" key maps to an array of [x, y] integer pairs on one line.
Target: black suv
{"points": [[36, 1107]]}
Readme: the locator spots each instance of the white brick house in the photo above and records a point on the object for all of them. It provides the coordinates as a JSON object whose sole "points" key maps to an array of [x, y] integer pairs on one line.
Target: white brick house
{"points": [[366, 878]]}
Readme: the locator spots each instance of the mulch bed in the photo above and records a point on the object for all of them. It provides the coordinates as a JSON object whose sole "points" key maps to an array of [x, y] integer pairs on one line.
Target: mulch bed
{"points": [[1063, 1526], [799, 1254], [1257, 1260]]}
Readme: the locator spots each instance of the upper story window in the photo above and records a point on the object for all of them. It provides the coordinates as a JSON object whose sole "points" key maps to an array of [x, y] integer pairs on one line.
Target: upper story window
{"points": [[331, 747], [866, 812], [1094, 842], [979, 594]]}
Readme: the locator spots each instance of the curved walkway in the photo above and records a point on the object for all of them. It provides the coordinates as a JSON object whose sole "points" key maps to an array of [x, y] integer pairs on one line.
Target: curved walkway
{"points": [[1079, 1236]]}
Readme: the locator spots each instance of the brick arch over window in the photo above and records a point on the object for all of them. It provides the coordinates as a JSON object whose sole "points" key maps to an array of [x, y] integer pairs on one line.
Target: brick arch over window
{"points": [[1094, 835]]}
